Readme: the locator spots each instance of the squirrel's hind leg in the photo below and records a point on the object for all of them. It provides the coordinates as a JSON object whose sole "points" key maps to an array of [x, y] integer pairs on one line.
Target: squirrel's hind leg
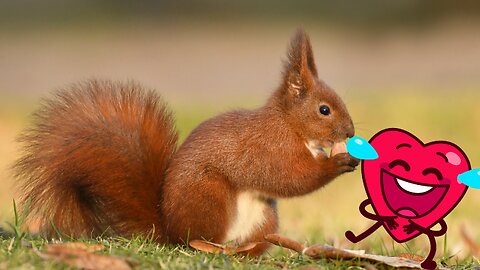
{"points": [[268, 227], [198, 208]]}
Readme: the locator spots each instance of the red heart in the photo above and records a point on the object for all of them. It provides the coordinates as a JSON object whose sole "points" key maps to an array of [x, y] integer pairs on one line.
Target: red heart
{"points": [[412, 180]]}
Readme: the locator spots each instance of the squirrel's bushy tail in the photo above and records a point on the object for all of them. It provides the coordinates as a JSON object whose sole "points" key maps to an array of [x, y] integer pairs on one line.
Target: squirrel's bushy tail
{"points": [[96, 158]]}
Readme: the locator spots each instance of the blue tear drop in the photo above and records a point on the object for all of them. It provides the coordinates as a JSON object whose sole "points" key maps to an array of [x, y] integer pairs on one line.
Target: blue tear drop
{"points": [[470, 178], [361, 149]]}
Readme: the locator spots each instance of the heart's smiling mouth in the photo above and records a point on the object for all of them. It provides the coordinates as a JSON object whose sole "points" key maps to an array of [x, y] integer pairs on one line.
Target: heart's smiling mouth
{"points": [[410, 199], [412, 187]]}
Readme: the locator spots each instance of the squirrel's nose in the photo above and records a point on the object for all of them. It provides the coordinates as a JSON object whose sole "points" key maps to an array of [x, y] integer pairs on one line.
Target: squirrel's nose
{"points": [[350, 130]]}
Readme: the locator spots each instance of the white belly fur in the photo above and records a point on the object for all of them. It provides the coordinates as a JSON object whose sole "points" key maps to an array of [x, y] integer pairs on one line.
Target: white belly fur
{"points": [[249, 216]]}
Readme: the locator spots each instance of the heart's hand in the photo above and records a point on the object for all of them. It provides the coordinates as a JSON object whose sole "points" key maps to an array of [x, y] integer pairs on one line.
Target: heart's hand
{"points": [[389, 221], [411, 227]]}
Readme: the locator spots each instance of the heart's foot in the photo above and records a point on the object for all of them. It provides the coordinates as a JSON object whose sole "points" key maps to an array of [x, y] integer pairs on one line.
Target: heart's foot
{"points": [[430, 265]]}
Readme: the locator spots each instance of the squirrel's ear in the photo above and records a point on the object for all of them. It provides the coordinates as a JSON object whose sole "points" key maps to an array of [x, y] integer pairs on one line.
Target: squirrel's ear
{"points": [[300, 70]]}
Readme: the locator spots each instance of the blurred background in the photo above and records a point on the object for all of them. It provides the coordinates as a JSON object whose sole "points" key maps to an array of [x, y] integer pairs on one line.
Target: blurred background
{"points": [[409, 64]]}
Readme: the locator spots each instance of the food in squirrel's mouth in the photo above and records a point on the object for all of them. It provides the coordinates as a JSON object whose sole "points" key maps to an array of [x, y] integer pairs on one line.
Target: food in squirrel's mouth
{"points": [[338, 148], [333, 149]]}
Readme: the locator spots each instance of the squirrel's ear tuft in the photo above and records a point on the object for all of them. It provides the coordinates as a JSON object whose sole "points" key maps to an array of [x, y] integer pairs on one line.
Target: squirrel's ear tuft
{"points": [[300, 70]]}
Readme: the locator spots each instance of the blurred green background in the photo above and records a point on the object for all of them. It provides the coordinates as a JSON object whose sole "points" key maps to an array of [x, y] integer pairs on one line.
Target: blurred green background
{"points": [[408, 64]]}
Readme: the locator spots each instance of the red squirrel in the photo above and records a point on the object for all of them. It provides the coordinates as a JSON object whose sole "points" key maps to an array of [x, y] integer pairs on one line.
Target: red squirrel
{"points": [[102, 157]]}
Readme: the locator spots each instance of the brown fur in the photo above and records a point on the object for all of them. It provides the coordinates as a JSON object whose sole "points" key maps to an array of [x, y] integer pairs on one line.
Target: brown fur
{"points": [[97, 147], [102, 155]]}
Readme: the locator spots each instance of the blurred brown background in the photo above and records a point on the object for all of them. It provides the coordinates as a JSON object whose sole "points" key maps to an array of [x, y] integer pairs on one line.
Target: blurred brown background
{"points": [[409, 64]]}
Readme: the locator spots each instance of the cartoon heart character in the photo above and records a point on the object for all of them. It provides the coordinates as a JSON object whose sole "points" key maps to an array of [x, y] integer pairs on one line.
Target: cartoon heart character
{"points": [[411, 186]]}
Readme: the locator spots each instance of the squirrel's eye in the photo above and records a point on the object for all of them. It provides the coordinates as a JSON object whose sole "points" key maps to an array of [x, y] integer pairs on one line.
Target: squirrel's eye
{"points": [[325, 110]]}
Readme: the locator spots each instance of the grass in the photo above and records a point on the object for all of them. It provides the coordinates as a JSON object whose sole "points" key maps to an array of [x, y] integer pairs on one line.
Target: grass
{"points": [[146, 255], [22, 250], [321, 217], [143, 254]]}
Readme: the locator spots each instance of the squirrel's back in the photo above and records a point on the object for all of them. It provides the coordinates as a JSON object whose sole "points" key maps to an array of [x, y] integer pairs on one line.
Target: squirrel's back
{"points": [[95, 159]]}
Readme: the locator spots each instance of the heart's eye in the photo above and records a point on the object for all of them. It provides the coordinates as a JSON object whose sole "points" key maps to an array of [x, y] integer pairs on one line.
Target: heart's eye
{"points": [[401, 163], [325, 110], [433, 171]]}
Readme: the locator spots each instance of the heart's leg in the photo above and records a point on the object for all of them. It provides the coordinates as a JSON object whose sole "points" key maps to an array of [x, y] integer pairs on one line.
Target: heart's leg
{"points": [[355, 239], [429, 263]]}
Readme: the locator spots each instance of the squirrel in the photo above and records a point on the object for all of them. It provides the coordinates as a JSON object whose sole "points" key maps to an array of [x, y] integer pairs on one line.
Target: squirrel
{"points": [[102, 157]]}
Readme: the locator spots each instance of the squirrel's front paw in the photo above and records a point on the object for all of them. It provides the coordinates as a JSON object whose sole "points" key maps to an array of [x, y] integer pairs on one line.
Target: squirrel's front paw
{"points": [[344, 162]]}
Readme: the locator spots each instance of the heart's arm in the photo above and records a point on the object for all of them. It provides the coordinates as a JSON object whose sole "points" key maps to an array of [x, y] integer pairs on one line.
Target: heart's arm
{"points": [[365, 213], [388, 221], [442, 231]]}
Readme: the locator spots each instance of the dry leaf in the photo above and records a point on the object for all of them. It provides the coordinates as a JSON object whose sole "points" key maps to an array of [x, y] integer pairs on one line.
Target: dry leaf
{"points": [[392, 261], [246, 248], [79, 255], [73, 247], [325, 251], [368, 266], [321, 251], [412, 257], [474, 247], [89, 261], [310, 267], [215, 248], [285, 242], [206, 246]]}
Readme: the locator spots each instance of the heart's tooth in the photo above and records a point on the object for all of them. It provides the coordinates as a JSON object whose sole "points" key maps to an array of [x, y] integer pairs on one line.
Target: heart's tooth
{"points": [[413, 188]]}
